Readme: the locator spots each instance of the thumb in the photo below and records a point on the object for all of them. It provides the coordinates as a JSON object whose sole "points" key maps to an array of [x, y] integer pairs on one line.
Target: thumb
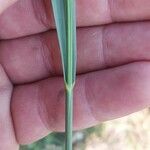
{"points": [[5, 4]]}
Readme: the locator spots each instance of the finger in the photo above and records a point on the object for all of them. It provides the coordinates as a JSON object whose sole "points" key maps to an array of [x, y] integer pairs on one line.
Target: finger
{"points": [[7, 136], [38, 57], [5, 4], [33, 16], [38, 108]]}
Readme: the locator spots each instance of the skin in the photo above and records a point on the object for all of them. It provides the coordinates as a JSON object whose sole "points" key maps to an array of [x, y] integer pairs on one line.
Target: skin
{"points": [[113, 67]]}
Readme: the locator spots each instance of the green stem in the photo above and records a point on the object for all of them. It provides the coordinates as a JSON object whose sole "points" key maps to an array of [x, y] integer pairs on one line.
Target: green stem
{"points": [[70, 71], [69, 118]]}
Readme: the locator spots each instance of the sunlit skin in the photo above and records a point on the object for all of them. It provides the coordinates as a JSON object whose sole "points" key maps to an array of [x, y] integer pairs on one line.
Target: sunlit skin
{"points": [[113, 67]]}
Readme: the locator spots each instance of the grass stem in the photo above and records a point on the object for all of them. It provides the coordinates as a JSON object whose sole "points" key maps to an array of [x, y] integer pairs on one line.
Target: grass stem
{"points": [[69, 118], [65, 19]]}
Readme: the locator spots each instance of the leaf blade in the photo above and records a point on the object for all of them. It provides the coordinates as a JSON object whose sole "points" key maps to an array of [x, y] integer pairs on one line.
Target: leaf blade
{"points": [[63, 12]]}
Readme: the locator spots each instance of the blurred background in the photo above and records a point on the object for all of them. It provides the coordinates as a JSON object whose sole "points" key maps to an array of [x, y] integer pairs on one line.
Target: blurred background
{"points": [[128, 133]]}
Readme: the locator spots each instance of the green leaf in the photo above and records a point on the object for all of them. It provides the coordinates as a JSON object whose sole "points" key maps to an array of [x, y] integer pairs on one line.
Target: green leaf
{"points": [[64, 13], [65, 19]]}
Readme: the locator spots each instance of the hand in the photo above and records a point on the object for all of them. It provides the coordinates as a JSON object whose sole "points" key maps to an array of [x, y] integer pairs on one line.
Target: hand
{"points": [[113, 67]]}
